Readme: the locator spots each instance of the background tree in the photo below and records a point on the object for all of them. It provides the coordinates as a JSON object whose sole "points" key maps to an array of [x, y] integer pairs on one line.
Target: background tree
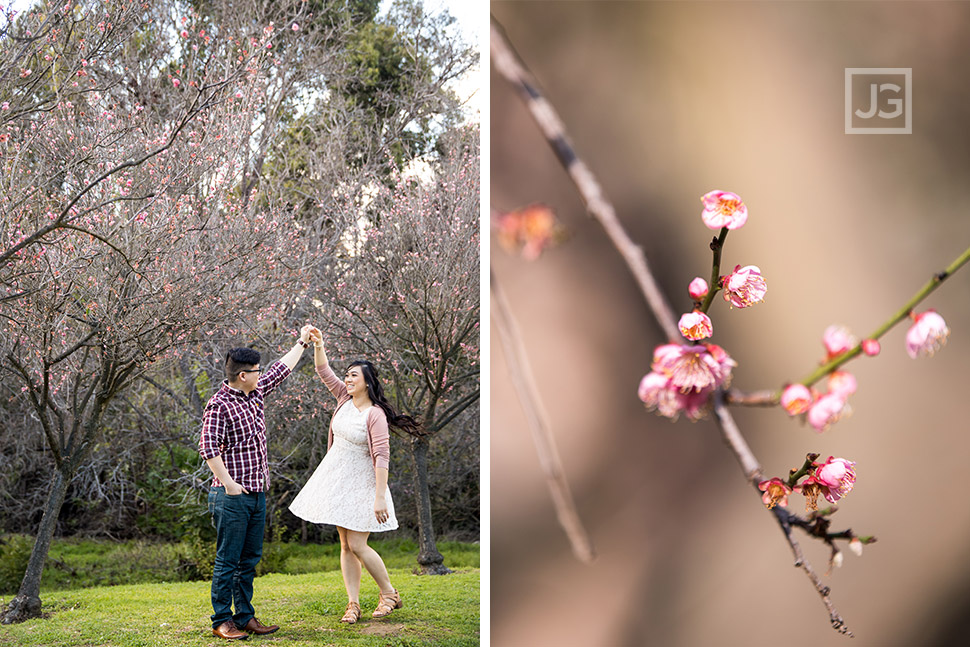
{"points": [[175, 164], [148, 251], [423, 330]]}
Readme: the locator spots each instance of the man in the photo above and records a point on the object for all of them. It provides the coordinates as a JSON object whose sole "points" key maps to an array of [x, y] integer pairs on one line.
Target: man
{"points": [[233, 444]]}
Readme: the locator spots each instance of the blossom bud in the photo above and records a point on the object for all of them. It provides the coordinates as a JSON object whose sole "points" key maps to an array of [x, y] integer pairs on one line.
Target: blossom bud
{"points": [[837, 559], [698, 288], [871, 347], [855, 545]]}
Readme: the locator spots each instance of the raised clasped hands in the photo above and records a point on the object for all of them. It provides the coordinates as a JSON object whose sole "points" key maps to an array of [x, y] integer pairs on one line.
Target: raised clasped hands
{"points": [[305, 333], [315, 335]]}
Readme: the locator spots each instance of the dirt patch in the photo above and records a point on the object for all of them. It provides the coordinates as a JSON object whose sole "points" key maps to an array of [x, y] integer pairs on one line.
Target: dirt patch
{"points": [[382, 629]]}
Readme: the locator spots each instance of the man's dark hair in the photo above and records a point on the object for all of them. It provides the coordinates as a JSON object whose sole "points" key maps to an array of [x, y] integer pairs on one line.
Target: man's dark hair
{"points": [[240, 359]]}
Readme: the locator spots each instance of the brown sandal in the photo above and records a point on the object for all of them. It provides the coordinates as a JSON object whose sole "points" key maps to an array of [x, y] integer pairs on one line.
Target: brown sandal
{"points": [[387, 603], [352, 614]]}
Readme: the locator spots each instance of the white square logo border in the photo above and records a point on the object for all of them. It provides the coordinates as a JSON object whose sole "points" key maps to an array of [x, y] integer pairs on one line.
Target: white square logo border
{"points": [[907, 72]]}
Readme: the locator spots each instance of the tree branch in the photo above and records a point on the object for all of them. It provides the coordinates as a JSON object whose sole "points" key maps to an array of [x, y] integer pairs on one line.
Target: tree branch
{"points": [[524, 383], [513, 69]]}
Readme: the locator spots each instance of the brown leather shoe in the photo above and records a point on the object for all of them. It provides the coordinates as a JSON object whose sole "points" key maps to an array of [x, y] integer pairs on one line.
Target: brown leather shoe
{"points": [[387, 602], [229, 631], [254, 626]]}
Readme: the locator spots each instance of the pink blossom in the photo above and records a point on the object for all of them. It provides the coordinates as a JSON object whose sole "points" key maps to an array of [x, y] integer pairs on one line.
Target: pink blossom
{"points": [[176, 82], [695, 325], [295, 27], [927, 334], [184, 33], [775, 492], [842, 383], [837, 340], [693, 368], [745, 286], [837, 476], [796, 399], [529, 230], [651, 387], [683, 378], [657, 392], [871, 347], [698, 288], [723, 209], [5, 106], [826, 411]]}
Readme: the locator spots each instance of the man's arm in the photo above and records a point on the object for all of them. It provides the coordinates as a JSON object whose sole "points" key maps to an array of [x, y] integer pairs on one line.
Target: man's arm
{"points": [[213, 435], [219, 469], [295, 353]]}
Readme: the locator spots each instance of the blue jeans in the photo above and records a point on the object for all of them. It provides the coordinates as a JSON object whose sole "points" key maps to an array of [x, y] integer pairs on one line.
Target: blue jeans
{"points": [[239, 522]]}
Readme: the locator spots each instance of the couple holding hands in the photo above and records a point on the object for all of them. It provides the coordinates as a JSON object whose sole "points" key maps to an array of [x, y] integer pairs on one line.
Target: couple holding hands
{"points": [[348, 489]]}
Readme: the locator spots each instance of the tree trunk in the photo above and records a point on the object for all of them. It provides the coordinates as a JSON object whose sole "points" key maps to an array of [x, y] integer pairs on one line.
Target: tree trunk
{"points": [[27, 603], [429, 559]]}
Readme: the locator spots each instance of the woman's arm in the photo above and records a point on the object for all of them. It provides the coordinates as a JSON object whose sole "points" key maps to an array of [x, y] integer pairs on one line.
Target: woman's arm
{"points": [[334, 384], [319, 352], [380, 501]]}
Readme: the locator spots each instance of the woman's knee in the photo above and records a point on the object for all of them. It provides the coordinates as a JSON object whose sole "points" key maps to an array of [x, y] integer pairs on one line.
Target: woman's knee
{"points": [[356, 542], [344, 543]]}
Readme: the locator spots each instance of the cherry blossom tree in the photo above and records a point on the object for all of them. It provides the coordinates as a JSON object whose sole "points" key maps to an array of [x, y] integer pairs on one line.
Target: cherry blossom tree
{"points": [[405, 294], [157, 161], [124, 234]]}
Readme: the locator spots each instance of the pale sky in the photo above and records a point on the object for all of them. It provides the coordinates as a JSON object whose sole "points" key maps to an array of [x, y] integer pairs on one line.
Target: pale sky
{"points": [[472, 17]]}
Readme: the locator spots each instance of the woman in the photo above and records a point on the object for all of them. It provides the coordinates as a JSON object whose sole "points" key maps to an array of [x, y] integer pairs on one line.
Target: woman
{"points": [[349, 487]]}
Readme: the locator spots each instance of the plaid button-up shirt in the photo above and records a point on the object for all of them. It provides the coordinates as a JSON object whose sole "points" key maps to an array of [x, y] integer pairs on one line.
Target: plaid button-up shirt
{"points": [[234, 427]]}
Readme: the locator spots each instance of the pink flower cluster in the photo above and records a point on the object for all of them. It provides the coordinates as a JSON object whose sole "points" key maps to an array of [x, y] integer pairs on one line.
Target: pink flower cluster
{"points": [[821, 409], [682, 379], [743, 287], [832, 479], [927, 335]]}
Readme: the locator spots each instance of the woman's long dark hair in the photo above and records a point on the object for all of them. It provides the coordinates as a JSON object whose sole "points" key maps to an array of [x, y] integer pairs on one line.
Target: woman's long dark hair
{"points": [[395, 420]]}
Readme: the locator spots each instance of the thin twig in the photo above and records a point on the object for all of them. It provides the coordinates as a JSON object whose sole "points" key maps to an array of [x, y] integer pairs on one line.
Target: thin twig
{"points": [[525, 387], [513, 69]]}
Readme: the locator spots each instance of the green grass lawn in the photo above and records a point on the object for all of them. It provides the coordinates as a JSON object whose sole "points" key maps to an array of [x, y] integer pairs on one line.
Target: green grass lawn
{"points": [[77, 563], [439, 611]]}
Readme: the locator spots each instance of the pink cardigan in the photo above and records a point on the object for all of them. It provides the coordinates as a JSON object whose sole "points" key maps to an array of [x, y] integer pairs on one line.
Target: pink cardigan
{"points": [[378, 434]]}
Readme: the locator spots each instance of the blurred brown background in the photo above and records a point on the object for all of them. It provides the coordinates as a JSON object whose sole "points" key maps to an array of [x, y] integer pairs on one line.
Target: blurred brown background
{"points": [[666, 101]]}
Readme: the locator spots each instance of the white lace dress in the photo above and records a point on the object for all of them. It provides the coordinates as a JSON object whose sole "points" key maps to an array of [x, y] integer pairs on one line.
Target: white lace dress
{"points": [[341, 490]]}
